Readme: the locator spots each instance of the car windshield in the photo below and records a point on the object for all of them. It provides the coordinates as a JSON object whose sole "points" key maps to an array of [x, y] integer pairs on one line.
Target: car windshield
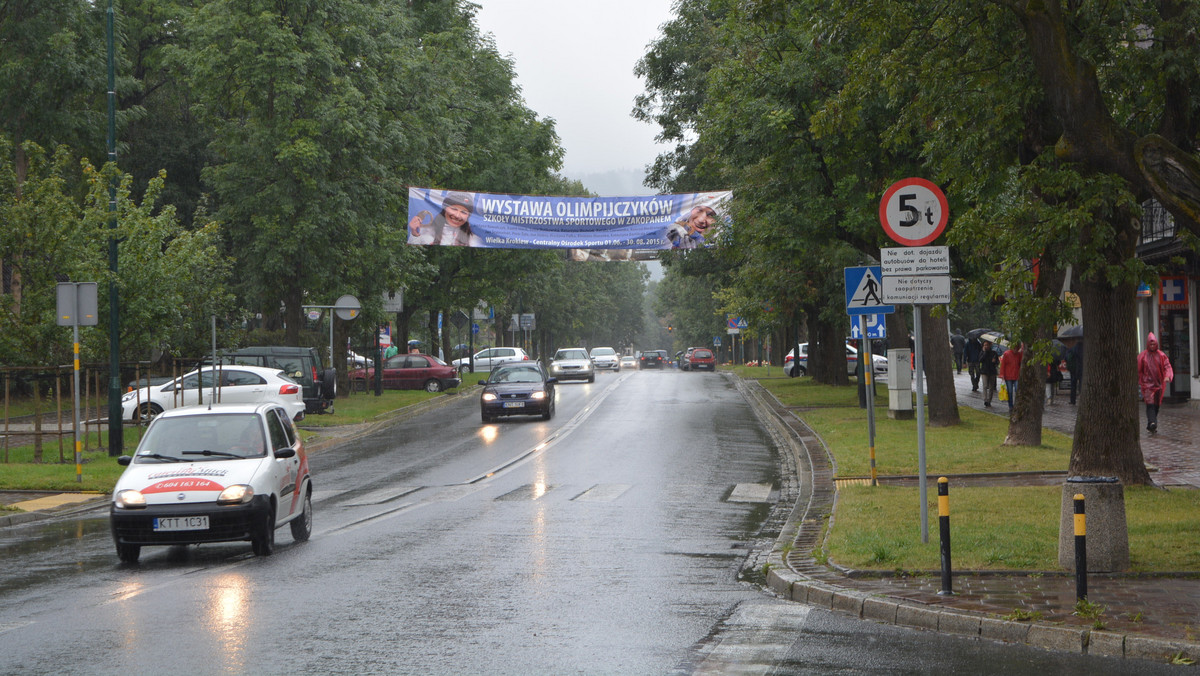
{"points": [[603, 351], [570, 354], [208, 436], [503, 375]]}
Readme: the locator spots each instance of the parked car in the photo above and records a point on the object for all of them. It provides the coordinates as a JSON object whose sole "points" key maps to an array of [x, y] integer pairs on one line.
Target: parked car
{"points": [[486, 360], [800, 367], [355, 360], [213, 474], [236, 384], [517, 388], [302, 364], [652, 359], [699, 359], [411, 372], [628, 362], [606, 358], [572, 363]]}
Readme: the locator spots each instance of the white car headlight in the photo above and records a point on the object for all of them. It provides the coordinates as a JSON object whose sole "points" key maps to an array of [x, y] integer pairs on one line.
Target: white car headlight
{"points": [[538, 395], [129, 499], [129, 396], [235, 494], [489, 396]]}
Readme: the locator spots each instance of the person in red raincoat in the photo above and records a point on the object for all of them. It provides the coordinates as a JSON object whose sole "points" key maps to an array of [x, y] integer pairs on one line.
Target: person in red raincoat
{"points": [[1154, 372]]}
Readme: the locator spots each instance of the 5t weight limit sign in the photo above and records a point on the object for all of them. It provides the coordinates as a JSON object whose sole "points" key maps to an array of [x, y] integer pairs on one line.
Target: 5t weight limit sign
{"points": [[913, 212]]}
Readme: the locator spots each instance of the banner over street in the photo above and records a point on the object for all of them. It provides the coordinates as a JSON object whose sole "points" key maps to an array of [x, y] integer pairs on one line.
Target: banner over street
{"points": [[459, 218]]}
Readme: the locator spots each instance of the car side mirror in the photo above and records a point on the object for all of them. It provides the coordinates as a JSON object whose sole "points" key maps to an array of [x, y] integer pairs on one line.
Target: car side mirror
{"points": [[483, 382], [124, 460], [285, 453], [551, 380]]}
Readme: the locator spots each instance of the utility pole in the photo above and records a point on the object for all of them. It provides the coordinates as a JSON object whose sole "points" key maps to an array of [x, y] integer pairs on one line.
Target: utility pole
{"points": [[116, 433]]}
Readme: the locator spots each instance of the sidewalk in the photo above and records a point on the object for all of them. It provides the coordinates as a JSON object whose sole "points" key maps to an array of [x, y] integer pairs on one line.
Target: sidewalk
{"points": [[1145, 617]]}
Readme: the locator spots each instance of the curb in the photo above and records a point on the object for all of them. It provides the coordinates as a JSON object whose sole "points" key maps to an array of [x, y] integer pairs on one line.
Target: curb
{"points": [[799, 537]]}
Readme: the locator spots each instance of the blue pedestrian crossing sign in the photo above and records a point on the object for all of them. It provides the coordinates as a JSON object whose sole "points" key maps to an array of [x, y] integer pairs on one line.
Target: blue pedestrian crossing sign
{"points": [[875, 328], [864, 292]]}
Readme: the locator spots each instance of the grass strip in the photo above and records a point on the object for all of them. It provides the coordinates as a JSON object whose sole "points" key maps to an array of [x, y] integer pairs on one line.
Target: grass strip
{"points": [[1003, 528]]}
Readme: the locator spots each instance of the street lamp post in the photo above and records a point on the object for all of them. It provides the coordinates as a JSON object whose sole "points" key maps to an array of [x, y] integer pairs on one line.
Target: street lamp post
{"points": [[116, 433]]}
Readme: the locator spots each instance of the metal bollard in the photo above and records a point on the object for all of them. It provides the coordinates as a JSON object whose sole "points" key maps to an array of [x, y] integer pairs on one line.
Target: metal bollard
{"points": [[1080, 549], [944, 528]]}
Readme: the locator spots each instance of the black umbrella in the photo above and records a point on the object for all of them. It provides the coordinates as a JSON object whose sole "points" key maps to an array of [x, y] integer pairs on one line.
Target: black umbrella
{"points": [[974, 334], [1072, 331]]}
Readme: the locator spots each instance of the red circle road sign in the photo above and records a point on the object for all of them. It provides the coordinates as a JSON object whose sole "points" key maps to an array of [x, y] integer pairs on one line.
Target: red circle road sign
{"points": [[914, 212]]}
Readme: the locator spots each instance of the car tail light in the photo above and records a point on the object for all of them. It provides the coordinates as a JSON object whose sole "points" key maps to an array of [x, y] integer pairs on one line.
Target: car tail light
{"points": [[525, 358], [289, 389], [314, 372]]}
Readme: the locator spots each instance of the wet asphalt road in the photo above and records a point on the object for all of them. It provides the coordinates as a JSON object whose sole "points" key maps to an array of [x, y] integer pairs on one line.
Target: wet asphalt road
{"points": [[601, 542]]}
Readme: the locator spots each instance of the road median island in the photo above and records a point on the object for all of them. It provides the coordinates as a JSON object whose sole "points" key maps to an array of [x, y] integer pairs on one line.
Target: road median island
{"points": [[1005, 513]]}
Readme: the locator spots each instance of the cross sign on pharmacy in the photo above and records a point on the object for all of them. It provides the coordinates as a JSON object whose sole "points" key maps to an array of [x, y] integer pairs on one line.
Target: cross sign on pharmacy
{"points": [[863, 295]]}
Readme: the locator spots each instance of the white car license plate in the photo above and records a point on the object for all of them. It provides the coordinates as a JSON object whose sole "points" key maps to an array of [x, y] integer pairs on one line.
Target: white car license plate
{"points": [[169, 523], [514, 404]]}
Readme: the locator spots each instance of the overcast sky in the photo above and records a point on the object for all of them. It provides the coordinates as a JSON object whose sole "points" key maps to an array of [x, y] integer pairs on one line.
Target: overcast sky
{"points": [[574, 61]]}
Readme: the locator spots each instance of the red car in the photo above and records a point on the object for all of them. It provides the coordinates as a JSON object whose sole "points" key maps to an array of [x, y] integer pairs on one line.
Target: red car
{"points": [[411, 372], [700, 359]]}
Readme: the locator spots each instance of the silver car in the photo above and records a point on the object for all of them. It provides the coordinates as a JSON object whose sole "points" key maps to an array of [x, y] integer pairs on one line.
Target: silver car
{"points": [[573, 363], [606, 358]]}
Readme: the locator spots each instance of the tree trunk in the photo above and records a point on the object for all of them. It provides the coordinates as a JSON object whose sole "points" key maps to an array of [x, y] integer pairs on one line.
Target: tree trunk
{"points": [[827, 356], [1025, 425], [1106, 429], [433, 332], [939, 369], [293, 317]]}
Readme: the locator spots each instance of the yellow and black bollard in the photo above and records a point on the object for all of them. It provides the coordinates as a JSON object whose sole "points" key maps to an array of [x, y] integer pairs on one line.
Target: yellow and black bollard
{"points": [[944, 528], [1080, 549]]}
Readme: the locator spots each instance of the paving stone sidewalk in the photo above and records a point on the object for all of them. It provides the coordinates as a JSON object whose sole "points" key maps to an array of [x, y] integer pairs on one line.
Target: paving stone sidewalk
{"points": [[1148, 617]]}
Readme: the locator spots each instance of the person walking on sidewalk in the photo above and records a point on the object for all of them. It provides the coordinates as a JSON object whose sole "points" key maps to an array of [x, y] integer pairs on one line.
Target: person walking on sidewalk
{"points": [[989, 368], [1010, 370], [1154, 372], [1075, 368], [972, 351], [958, 343]]}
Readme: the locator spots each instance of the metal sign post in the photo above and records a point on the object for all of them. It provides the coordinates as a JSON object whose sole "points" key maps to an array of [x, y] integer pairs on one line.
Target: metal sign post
{"points": [[863, 299], [914, 212], [77, 305]]}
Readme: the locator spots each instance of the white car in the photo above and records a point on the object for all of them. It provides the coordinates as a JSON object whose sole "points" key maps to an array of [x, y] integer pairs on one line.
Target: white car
{"points": [[223, 473], [573, 363], [355, 360], [793, 367], [238, 385], [606, 358], [486, 360], [629, 362]]}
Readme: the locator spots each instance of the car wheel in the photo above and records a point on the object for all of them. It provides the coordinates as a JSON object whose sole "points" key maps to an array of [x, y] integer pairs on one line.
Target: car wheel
{"points": [[302, 525], [463, 370], [432, 385], [549, 411], [148, 411], [263, 542], [486, 418], [329, 384], [128, 553], [592, 378]]}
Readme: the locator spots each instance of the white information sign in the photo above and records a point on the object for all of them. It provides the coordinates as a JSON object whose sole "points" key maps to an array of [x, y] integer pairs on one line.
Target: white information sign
{"points": [[915, 260], [917, 290]]}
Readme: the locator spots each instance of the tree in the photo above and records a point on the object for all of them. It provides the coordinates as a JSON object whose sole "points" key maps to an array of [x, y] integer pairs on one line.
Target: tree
{"points": [[1064, 112]]}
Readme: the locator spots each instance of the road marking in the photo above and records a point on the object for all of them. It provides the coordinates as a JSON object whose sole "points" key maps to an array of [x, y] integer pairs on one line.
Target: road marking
{"points": [[754, 640], [603, 493], [381, 495], [750, 493]]}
